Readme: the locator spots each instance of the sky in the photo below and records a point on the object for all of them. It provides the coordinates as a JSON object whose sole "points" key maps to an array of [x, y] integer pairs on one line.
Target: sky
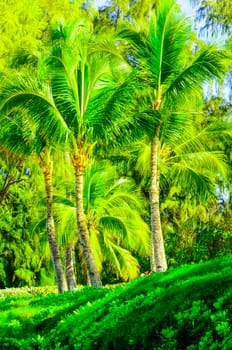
{"points": [[187, 8]]}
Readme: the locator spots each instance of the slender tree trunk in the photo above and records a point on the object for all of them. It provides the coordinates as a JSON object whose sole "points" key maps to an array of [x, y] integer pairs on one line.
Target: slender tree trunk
{"points": [[117, 16], [158, 258], [55, 254], [7, 183], [83, 232], [70, 273]]}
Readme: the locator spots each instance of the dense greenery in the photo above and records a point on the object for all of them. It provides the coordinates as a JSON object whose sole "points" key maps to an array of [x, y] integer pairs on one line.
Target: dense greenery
{"points": [[185, 308], [24, 255], [110, 127], [115, 162]]}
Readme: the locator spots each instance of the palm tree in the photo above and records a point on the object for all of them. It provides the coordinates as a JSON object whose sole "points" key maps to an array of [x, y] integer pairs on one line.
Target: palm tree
{"points": [[169, 75], [77, 104], [20, 136], [92, 77], [113, 208]]}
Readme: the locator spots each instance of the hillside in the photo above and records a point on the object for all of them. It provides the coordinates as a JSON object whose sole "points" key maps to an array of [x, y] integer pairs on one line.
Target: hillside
{"points": [[186, 308]]}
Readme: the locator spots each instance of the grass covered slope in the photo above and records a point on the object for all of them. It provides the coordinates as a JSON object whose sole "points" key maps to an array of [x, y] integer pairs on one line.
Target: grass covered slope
{"points": [[186, 308]]}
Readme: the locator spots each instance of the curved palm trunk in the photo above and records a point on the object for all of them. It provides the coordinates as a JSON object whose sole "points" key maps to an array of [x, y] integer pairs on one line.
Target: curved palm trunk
{"points": [[70, 273], [158, 258], [83, 232], [53, 245]]}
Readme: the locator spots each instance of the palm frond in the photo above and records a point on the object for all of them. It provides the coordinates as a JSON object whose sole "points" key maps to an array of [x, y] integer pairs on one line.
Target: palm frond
{"points": [[169, 32], [201, 169], [31, 97], [175, 127], [113, 224], [63, 201], [64, 87], [143, 158], [65, 221], [14, 135], [209, 162], [209, 63], [121, 260]]}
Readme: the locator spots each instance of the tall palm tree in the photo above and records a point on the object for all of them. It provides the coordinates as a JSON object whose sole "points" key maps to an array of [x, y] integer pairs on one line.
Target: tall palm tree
{"points": [[113, 210], [75, 71], [77, 104], [21, 137], [170, 74]]}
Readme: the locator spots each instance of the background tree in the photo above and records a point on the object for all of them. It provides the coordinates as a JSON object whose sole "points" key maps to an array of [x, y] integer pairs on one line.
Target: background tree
{"points": [[23, 261], [214, 20], [169, 78], [20, 136], [26, 29], [195, 229], [216, 14], [116, 12]]}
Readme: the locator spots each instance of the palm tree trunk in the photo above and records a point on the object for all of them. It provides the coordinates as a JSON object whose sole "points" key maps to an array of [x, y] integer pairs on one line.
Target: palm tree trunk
{"points": [[158, 258], [70, 273], [83, 232], [152, 256], [50, 226]]}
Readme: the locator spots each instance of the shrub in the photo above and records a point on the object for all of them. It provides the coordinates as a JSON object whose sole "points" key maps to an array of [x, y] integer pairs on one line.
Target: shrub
{"points": [[185, 308]]}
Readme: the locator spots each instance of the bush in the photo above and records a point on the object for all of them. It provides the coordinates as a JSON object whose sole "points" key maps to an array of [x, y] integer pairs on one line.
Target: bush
{"points": [[174, 310], [26, 318], [185, 308]]}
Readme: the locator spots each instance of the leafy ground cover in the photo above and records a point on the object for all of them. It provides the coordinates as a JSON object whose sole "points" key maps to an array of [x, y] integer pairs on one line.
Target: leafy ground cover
{"points": [[185, 308]]}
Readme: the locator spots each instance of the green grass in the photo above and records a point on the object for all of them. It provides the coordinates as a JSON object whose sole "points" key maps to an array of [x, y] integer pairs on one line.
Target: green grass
{"points": [[186, 308]]}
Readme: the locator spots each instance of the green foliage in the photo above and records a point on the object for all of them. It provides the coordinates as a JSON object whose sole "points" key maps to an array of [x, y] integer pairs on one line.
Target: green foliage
{"points": [[194, 230], [23, 317], [97, 91], [21, 253], [185, 308], [113, 208], [18, 292], [152, 307], [25, 30]]}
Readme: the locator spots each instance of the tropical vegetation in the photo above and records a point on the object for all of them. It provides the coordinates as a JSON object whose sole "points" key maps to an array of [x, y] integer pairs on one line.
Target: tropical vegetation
{"points": [[115, 163], [183, 308], [81, 97]]}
